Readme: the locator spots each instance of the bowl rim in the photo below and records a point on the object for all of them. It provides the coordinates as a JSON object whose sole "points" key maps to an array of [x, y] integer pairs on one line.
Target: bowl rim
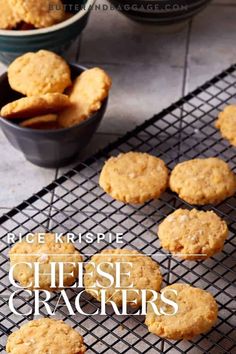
{"points": [[49, 132], [38, 31]]}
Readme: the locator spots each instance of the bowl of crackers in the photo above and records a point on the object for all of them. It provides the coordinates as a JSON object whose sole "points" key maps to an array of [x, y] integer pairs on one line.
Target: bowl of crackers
{"points": [[29, 25], [50, 109]]}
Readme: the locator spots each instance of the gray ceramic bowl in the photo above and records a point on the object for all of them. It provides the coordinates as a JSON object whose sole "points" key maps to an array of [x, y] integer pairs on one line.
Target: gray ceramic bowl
{"points": [[57, 38], [48, 148], [160, 12]]}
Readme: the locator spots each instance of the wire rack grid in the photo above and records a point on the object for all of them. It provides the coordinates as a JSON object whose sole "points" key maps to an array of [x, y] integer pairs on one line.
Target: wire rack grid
{"points": [[75, 203]]}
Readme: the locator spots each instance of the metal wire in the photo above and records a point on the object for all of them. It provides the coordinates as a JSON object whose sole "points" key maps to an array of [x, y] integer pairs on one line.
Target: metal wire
{"points": [[75, 203]]}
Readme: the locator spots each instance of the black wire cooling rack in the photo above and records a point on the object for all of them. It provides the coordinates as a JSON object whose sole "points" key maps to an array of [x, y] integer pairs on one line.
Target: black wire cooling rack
{"points": [[75, 203]]}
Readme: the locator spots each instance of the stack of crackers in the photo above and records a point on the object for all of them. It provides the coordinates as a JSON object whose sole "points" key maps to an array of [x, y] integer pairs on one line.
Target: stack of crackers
{"points": [[51, 100]]}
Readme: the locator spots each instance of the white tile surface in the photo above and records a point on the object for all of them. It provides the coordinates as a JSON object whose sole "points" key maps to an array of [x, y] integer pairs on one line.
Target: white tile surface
{"points": [[2, 68], [19, 179], [122, 41], [4, 211], [137, 97], [211, 44]]}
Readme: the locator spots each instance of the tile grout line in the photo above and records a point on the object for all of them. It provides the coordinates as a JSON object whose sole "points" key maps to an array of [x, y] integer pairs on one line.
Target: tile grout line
{"points": [[186, 59]]}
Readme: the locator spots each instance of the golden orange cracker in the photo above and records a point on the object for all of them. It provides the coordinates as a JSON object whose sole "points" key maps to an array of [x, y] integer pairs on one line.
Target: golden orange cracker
{"points": [[39, 73], [48, 121], [28, 107], [88, 92], [40, 13]]}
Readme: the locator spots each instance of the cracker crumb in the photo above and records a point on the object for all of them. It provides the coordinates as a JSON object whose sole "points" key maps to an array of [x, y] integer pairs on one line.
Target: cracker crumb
{"points": [[183, 218]]}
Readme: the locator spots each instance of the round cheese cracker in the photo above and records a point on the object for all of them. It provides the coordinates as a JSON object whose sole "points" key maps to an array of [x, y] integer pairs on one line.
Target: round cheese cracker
{"points": [[193, 234], [144, 274], [28, 107], [134, 177], [203, 181], [40, 13], [197, 313], [39, 73], [43, 336], [8, 18], [88, 92], [226, 123]]}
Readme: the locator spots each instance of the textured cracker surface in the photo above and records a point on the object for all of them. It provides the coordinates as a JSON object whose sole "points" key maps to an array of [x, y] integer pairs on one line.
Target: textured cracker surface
{"points": [[44, 253], [193, 234], [8, 18], [227, 123], [88, 92], [39, 73], [134, 177], [196, 314], [40, 13], [144, 274], [45, 336], [203, 181], [35, 105], [39, 121]]}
